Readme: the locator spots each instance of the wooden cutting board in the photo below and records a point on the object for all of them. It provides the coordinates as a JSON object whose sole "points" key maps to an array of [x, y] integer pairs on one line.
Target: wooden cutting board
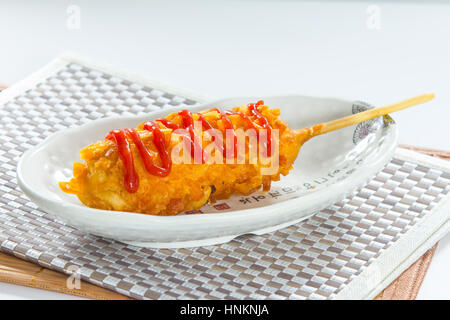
{"points": [[20, 272]]}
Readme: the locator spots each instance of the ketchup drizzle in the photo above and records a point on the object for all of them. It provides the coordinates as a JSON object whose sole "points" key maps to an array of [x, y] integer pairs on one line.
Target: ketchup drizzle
{"points": [[253, 108], [188, 123], [168, 124], [131, 178], [159, 141]]}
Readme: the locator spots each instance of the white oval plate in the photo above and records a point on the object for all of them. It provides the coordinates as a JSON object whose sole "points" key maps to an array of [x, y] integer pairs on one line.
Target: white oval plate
{"points": [[328, 168]]}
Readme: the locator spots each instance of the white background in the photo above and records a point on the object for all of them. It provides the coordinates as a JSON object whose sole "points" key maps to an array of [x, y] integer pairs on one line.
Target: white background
{"points": [[256, 48]]}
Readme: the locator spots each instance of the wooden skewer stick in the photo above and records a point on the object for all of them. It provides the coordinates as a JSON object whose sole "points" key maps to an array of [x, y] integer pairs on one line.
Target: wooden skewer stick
{"points": [[326, 127]]}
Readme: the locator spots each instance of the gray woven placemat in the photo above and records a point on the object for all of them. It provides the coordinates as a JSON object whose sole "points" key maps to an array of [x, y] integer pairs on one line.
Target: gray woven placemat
{"points": [[313, 259]]}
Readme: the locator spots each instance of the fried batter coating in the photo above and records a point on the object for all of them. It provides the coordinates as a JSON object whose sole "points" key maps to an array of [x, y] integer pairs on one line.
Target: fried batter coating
{"points": [[99, 181]]}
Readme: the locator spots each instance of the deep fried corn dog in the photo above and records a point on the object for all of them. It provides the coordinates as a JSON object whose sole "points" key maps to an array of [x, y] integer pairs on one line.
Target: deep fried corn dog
{"points": [[132, 170]]}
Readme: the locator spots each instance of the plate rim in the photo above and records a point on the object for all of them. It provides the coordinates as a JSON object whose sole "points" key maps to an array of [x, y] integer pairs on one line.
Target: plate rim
{"points": [[347, 184]]}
